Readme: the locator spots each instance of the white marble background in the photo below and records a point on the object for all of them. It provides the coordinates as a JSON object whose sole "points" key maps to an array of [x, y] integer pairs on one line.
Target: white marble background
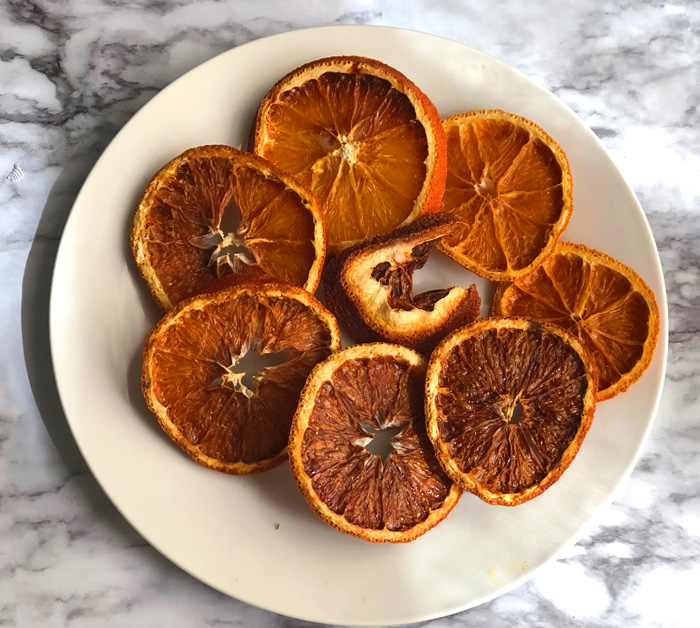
{"points": [[71, 74]]}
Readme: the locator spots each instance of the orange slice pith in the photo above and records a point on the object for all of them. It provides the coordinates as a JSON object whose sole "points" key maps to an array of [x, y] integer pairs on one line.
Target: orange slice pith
{"points": [[354, 392], [508, 404], [603, 302], [181, 244], [510, 183], [192, 384], [363, 137]]}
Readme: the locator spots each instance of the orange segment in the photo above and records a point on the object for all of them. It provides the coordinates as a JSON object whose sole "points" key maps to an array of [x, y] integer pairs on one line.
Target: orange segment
{"points": [[285, 259], [482, 238], [510, 183], [499, 144], [191, 265], [602, 301], [216, 211], [534, 168], [195, 380], [348, 400], [363, 137]]}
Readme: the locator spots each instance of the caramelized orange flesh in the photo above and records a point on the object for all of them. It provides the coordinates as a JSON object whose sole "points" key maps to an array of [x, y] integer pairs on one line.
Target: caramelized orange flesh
{"points": [[510, 403], [268, 227], [595, 302], [396, 494], [194, 374], [356, 141], [507, 186]]}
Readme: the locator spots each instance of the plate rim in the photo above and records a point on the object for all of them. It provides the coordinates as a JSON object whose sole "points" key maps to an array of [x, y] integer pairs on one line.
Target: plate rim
{"points": [[662, 344]]}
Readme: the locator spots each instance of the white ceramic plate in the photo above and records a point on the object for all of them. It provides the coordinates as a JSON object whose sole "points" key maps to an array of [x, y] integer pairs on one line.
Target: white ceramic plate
{"points": [[254, 537]]}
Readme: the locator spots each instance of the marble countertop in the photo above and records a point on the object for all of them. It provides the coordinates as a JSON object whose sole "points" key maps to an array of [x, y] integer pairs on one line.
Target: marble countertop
{"points": [[72, 73]]}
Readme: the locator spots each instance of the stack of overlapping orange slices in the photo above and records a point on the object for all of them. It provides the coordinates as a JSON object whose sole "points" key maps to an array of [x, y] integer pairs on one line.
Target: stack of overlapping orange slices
{"points": [[353, 180]]}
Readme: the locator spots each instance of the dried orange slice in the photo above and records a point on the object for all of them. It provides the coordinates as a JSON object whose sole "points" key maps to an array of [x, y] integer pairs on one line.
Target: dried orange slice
{"points": [[363, 137], [215, 210], [369, 287], [195, 379], [604, 303], [511, 184], [508, 404], [357, 392]]}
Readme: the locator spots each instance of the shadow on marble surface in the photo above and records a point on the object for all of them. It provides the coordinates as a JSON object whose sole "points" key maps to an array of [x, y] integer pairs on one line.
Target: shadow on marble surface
{"points": [[36, 291]]}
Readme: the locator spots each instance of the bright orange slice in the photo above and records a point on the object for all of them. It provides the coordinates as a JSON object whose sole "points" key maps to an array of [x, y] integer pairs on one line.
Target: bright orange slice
{"points": [[351, 400], [363, 137], [510, 183], [200, 374], [215, 210], [600, 300], [508, 404]]}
